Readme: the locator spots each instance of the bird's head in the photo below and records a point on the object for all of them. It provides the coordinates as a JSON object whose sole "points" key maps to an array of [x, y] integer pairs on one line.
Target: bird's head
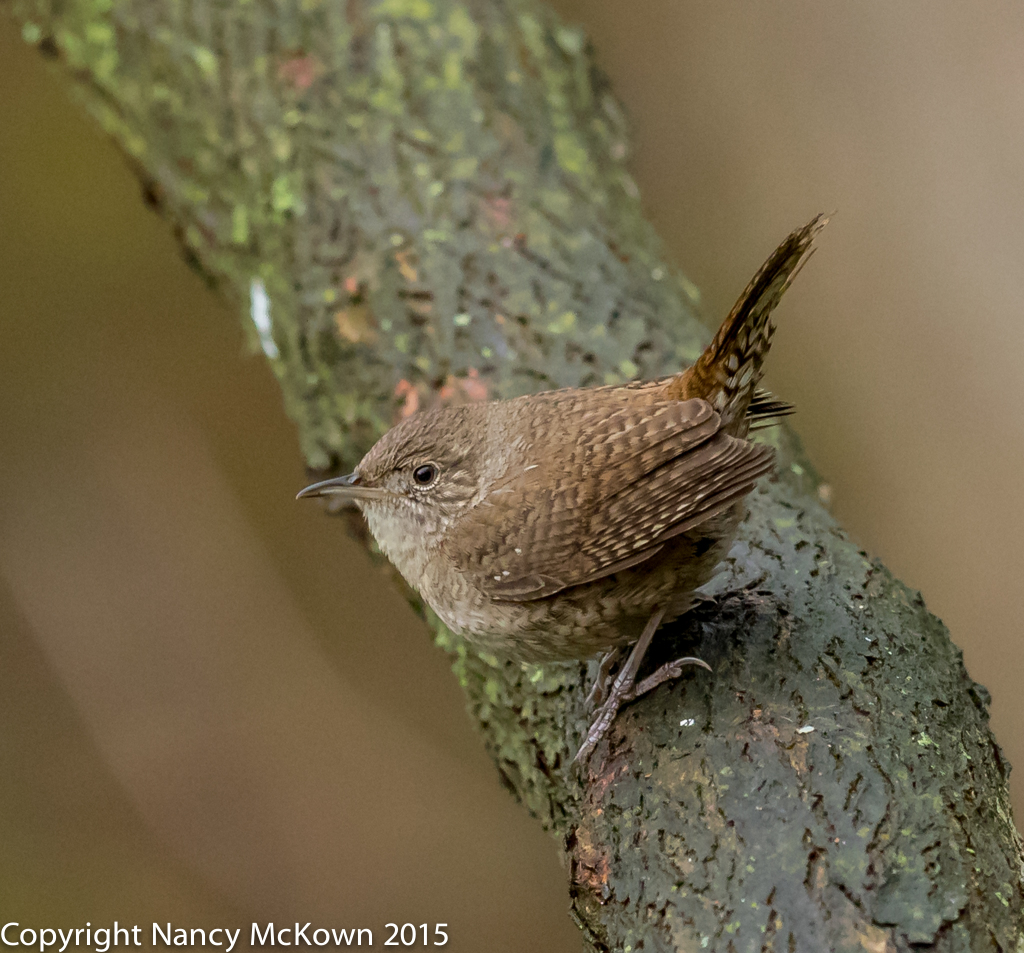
{"points": [[414, 482]]}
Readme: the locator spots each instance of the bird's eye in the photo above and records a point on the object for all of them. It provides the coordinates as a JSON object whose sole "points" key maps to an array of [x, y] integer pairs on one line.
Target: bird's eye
{"points": [[425, 475]]}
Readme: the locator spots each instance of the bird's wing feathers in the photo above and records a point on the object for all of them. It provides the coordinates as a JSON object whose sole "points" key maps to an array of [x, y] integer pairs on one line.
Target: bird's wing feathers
{"points": [[649, 471]]}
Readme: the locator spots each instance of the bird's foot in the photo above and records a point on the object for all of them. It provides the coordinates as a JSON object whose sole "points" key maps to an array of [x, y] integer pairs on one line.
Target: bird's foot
{"points": [[666, 673], [625, 688], [603, 682]]}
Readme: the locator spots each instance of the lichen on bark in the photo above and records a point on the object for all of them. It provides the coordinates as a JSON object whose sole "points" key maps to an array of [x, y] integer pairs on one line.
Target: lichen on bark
{"points": [[424, 200]]}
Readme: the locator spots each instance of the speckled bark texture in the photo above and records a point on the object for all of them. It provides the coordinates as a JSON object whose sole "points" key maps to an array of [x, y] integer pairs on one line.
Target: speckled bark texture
{"points": [[422, 200]]}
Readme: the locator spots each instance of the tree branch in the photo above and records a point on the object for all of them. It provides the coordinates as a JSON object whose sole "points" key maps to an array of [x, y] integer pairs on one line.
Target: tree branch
{"points": [[425, 199]]}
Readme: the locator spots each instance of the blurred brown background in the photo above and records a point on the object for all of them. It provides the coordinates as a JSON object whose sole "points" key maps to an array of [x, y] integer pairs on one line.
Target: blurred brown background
{"points": [[214, 710]]}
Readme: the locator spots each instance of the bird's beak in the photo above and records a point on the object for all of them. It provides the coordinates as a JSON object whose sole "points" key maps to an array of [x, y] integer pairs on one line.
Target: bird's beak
{"points": [[347, 487]]}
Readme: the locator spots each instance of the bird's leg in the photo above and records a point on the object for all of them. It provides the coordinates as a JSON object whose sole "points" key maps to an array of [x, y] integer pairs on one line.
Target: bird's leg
{"points": [[624, 688], [622, 684], [604, 678]]}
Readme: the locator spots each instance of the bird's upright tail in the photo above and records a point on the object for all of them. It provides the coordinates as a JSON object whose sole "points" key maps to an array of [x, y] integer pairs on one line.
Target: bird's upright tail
{"points": [[727, 373]]}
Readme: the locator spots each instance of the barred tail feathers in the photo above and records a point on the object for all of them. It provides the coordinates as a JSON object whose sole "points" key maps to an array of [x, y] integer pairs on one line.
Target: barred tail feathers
{"points": [[728, 372]]}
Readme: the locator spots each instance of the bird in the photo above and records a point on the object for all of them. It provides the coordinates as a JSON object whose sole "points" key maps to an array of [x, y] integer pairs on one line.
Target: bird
{"points": [[567, 523]]}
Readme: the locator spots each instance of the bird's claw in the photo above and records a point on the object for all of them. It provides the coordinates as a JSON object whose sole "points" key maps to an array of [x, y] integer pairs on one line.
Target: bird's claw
{"points": [[616, 699], [603, 681], [666, 673], [624, 688]]}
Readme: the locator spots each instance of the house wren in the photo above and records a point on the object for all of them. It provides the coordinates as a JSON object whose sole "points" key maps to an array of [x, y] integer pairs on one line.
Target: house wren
{"points": [[557, 525]]}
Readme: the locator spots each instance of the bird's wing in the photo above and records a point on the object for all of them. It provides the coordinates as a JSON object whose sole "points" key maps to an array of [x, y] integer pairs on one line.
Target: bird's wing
{"points": [[627, 482]]}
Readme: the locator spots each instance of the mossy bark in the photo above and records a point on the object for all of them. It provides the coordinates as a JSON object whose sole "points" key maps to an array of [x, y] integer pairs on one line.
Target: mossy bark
{"points": [[415, 200]]}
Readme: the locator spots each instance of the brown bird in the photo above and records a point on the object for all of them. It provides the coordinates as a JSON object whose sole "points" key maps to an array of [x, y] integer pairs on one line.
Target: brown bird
{"points": [[562, 524]]}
